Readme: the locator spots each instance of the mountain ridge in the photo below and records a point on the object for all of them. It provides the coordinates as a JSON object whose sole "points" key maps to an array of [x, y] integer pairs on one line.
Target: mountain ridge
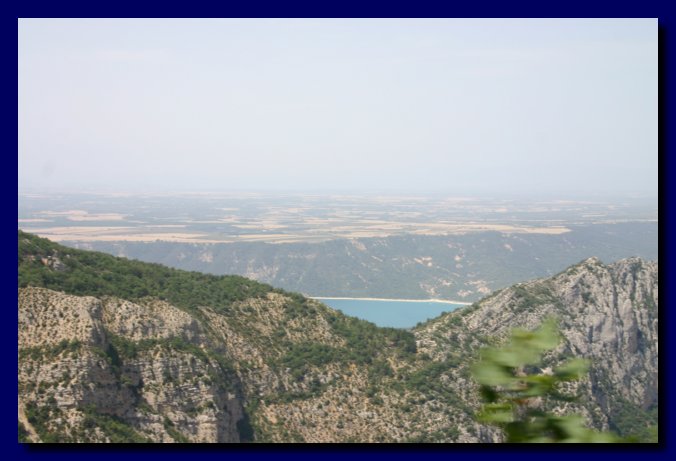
{"points": [[459, 267], [247, 362]]}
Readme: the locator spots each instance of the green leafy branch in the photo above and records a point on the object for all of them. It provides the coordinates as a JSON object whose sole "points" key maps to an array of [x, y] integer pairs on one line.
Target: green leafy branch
{"points": [[514, 388]]}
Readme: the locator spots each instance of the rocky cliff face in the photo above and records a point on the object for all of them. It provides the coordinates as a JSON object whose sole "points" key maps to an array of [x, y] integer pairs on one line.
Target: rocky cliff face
{"points": [[607, 314], [78, 360], [266, 365], [106, 369]]}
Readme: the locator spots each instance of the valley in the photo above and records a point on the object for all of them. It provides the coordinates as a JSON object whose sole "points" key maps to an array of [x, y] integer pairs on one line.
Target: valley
{"points": [[338, 230], [113, 350], [376, 246]]}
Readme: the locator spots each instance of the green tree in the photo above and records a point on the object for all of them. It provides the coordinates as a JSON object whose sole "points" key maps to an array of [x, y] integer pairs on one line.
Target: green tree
{"points": [[515, 388]]}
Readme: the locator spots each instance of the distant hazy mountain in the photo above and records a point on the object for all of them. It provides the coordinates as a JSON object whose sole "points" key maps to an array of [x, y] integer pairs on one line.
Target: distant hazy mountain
{"points": [[456, 267], [119, 350]]}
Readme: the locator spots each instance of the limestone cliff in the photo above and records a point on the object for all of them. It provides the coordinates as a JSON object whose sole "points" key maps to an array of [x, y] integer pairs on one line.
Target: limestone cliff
{"points": [[118, 350], [607, 314]]}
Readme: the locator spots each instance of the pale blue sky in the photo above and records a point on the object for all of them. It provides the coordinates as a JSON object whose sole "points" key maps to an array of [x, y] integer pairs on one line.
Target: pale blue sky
{"points": [[527, 106]]}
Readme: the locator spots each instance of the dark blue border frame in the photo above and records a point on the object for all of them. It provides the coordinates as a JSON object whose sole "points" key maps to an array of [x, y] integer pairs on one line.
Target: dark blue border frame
{"points": [[304, 8]]}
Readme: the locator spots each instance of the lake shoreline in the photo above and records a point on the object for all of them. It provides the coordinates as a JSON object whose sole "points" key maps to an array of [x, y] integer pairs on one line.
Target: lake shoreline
{"points": [[441, 301]]}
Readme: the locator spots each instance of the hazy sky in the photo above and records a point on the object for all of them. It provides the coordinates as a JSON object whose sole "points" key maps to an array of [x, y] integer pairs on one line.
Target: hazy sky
{"points": [[418, 105]]}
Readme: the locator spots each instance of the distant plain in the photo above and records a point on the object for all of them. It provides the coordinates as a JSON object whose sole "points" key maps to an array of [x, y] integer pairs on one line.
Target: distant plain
{"points": [[279, 218]]}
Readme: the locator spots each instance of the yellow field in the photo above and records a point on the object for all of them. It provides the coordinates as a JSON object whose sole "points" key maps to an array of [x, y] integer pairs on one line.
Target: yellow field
{"points": [[321, 231]]}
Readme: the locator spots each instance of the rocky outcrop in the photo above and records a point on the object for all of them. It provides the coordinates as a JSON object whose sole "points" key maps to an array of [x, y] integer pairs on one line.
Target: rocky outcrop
{"points": [[607, 314], [130, 364]]}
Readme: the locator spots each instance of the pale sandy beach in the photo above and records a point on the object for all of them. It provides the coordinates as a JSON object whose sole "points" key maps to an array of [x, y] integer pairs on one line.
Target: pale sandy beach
{"points": [[443, 301]]}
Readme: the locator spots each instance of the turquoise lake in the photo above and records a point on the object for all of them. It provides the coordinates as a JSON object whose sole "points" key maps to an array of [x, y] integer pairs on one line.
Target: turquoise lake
{"points": [[390, 313]]}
